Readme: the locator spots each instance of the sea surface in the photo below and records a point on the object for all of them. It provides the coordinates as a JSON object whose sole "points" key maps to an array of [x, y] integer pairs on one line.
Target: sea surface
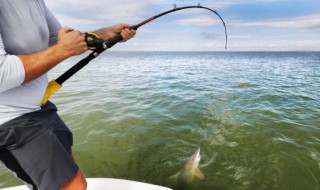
{"points": [[140, 116]]}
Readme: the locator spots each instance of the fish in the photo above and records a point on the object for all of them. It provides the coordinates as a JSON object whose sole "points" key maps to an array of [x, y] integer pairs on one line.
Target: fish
{"points": [[190, 170]]}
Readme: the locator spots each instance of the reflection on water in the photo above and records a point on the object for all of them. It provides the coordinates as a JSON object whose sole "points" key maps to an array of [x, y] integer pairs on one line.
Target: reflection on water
{"points": [[139, 116]]}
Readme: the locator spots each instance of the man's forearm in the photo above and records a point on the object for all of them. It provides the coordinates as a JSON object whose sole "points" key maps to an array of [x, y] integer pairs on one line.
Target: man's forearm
{"points": [[41, 62], [70, 43], [110, 32]]}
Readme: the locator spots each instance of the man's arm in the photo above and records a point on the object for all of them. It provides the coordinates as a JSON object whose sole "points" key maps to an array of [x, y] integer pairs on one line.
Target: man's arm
{"points": [[109, 32], [70, 43]]}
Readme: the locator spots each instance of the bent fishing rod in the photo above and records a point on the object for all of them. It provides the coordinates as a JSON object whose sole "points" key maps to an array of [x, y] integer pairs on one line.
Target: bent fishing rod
{"points": [[98, 46]]}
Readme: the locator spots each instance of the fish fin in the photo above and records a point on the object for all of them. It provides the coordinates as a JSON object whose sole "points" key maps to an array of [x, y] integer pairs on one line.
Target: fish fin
{"points": [[189, 178], [176, 175], [198, 173]]}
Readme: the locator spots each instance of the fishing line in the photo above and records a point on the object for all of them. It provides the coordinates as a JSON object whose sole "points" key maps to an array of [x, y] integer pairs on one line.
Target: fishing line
{"points": [[94, 43]]}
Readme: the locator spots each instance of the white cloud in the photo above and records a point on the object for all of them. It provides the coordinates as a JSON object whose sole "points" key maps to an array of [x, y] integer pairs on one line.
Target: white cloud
{"points": [[200, 21], [215, 4], [67, 20], [282, 44], [299, 33], [111, 10], [308, 21]]}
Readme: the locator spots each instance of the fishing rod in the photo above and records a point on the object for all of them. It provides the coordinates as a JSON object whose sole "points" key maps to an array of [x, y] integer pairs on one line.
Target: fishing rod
{"points": [[98, 46]]}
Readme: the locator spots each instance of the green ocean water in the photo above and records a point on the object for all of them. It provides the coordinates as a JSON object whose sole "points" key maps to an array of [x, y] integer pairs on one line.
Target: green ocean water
{"points": [[140, 115]]}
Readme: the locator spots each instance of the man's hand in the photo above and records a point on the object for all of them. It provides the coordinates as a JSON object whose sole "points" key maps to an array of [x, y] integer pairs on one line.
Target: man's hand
{"points": [[71, 42], [113, 31]]}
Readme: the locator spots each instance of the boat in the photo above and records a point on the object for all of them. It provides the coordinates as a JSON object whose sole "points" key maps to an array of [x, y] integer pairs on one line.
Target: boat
{"points": [[109, 184]]}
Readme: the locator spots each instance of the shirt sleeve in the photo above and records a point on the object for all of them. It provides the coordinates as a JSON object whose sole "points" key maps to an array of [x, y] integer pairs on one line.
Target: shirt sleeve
{"points": [[54, 26], [12, 73]]}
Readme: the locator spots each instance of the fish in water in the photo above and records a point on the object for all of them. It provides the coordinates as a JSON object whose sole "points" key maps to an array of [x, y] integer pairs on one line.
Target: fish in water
{"points": [[190, 169]]}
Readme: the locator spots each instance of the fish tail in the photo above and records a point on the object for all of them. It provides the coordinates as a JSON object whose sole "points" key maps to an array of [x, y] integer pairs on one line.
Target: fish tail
{"points": [[198, 173]]}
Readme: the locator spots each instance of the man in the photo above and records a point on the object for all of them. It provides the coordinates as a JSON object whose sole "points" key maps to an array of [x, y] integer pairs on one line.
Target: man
{"points": [[34, 142]]}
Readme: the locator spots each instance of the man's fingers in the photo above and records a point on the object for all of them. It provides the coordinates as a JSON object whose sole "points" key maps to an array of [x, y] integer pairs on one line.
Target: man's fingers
{"points": [[79, 34], [65, 30], [72, 41], [131, 32], [125, 35], [125, 25]]}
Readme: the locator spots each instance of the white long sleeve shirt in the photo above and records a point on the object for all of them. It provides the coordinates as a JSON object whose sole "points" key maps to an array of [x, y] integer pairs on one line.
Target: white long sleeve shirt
{"points": [[26, 26]]}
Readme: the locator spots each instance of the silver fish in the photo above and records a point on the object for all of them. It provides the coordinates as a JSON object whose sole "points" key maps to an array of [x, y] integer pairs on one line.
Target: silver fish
{"points": [[190, 169]]}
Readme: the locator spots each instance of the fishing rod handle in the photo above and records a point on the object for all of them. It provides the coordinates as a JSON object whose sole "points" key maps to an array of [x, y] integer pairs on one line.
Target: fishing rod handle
{"points": [[118, 38], [69, 73]]}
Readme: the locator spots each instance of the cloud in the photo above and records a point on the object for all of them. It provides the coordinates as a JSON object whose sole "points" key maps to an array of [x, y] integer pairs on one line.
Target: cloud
{"points": [[307, 22], [192, 29], [111, 10], [67, 20], [273, 45], [217, 4], [200, 21]]}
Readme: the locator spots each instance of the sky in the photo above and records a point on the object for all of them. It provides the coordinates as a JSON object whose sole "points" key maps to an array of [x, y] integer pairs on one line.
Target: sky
{"points": [[253, 25]]}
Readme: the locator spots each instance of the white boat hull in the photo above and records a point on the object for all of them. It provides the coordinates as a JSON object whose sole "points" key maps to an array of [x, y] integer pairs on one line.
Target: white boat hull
{"points": [[110, 184]]}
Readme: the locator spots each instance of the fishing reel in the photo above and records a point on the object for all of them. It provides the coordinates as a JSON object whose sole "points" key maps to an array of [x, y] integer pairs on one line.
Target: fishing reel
{"points": [[93, 41]]}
